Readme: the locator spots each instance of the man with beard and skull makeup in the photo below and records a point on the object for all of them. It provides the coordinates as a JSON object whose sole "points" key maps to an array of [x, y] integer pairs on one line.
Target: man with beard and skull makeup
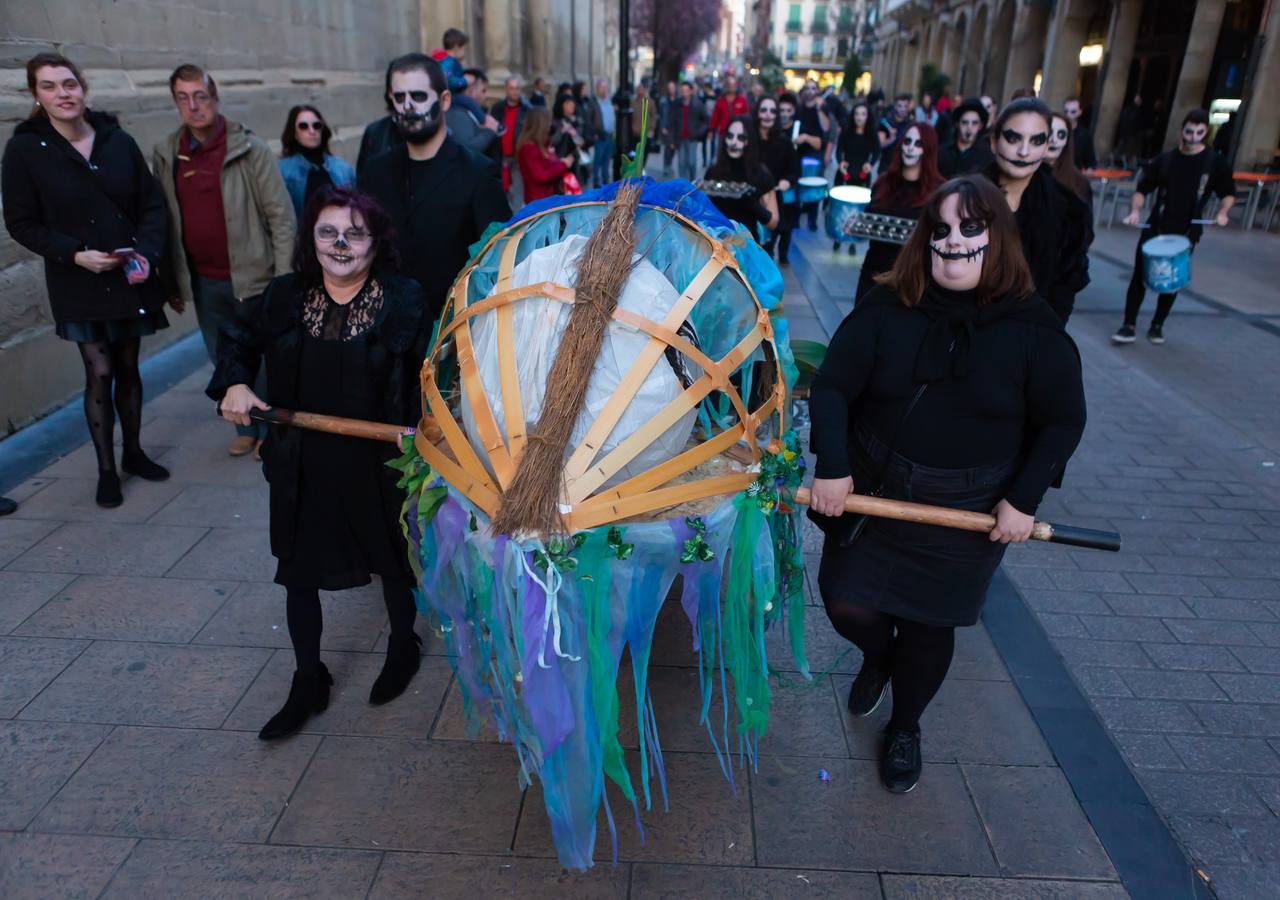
{"points": [[341, 336], [969, 151], [779, 156], [1182, 180], [901, 191], [1055, 224], [440, 196], [738, 160], [951, 384]]}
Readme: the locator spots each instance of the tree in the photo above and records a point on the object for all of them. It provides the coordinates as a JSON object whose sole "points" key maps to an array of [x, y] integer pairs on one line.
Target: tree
{"points": [[853, 69], [772, 75], [680, 24], [932, 81]]}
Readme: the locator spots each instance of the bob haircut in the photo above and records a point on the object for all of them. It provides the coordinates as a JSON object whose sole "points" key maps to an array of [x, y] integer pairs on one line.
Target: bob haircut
{"points": [[375, 220], [50, 60], [289, 138], [1004, 268]]}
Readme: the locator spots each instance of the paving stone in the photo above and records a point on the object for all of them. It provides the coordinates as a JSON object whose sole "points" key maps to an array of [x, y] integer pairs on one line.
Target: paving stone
{"points": [[22, 593], [1030, 579], [1123, 714], [1231, 609], [36, 759], [71, 867], [1064, 601], [181, 783], [398, 794], [1203, 548], [73, 500], [1209, 841], [1147, 751], [1127, 628], [852, 822], [1213, 753], [1035, 824], [212, 466], [926, 887], [1185, 565], [123, 608], [242, 552], [1097, 582], [1265, 634], [1092, 561], [1122, 654], [656, 882], [1239, 718], [1181, 585], [826, 650], [90, 549], [1250, 688], [19, 535], [27, 665], [1165, 685], [976, 658], [215, 506], [1201, 794], [1101, 682], [1204, 631], [1268, 789], [1244, 588], [192, 868], [1060, 625], [254, 616], [1192, 658], [1146, 605], [1230, 516], [410, 876], [1245, 881], [1261, 660]]}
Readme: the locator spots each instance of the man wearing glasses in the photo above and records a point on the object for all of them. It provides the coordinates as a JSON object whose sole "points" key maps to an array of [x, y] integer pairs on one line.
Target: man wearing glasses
{"points": [[231, 222], [441, 196]]}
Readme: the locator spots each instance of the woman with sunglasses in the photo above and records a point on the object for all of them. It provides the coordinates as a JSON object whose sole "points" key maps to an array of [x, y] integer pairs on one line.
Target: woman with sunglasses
{"points": [[900, 191], [341, 336], [306, 163], [1055, 224]]}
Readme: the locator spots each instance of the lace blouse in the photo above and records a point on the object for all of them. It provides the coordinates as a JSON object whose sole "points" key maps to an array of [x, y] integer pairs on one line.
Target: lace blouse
{"points": [[328, 320]]}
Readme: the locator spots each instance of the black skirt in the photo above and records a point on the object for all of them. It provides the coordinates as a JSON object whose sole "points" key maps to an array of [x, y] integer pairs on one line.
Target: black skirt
{"points": [[922, 573]]}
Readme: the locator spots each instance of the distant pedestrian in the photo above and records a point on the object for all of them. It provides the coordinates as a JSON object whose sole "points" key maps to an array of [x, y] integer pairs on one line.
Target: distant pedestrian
{"points": [[687, 123], [989, 105], [644, 119], [968, 151], [306, 163], [509, 113], [231, 220], [739, 162], [452, 62], [1060, 157], [668, 102], [1181, 181], [541, 169], [77, 192], [892, 126], [1130, 128], [538, 92], [728, 106], [1085, 156], [811, 140], [778, 155], [601, 126], [925, 111], [478, 133], [857, 154]]}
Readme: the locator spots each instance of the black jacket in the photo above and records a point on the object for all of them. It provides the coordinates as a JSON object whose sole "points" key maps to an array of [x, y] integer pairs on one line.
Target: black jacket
{"points": [[459, 197], [393, 352], [1056, 228], [952, 161], [56, 204], [378, 138]]}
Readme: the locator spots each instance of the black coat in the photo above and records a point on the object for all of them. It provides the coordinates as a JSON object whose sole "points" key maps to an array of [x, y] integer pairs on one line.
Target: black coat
{"points": [[378, 138], [460, 197], [56, 204], [393, 351]]}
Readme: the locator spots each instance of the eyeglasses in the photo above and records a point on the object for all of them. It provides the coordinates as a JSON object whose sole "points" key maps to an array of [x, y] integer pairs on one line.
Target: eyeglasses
{"points": [[311, 126], [327, 234], [415, 96]]}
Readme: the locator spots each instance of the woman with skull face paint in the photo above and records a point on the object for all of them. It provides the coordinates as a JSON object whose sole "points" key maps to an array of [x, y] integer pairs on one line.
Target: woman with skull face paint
{"points": [[340, 336], [778, 155], [951, 384], [857, 154], [1055, 224], [739, 160], [901, 191], [1060, 152]]}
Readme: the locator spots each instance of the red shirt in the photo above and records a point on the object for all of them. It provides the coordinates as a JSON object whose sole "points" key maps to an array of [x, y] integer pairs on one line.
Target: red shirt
{"points": [[199, 187], [684, 121], [510, 113], [722, 114]]}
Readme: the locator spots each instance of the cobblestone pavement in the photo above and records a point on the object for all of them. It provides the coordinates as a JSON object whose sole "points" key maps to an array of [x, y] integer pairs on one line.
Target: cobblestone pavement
{"points": [[141, 648]]}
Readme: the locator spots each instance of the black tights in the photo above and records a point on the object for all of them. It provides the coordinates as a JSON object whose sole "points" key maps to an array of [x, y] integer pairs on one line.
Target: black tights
{"points": [[108, 365], [917, 656], [306, 622]]}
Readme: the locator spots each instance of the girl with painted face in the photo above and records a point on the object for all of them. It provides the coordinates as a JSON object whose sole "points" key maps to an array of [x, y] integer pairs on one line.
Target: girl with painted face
{"points": [[900, 191], [341, 336], [738, 160], [778, 154], [952, 384], [1055, 224], [857, 153], [1061, 156]]}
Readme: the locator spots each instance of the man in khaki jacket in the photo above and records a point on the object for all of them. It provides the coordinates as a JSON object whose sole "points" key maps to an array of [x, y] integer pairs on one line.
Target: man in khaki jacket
{"points": [[231, 220]]}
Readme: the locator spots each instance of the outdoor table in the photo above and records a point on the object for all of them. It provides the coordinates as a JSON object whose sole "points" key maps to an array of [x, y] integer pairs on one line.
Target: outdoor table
{"points": [[1256, 182], [1106, 176]]}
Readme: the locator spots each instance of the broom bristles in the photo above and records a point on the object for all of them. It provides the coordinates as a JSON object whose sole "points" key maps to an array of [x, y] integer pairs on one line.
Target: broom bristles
{"points": [[531, 505]]}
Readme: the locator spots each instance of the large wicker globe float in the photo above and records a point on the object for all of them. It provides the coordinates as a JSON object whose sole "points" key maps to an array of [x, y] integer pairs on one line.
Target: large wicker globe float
{"points": [[605, 410]]}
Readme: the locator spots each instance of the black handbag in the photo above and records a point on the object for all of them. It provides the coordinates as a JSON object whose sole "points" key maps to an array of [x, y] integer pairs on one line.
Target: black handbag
{"points": [[845, 529]]}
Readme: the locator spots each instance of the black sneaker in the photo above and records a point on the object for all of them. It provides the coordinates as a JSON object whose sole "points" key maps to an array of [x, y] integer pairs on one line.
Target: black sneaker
{"points": [[1126, 334], [868, 690], [900, 760], [1155, 334]]}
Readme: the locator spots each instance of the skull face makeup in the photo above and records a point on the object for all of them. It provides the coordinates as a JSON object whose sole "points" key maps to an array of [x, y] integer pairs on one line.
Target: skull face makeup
{"points": [[1021, 144], [344, 246], [958, 245], [912, 148], [767, 112], [735, 140], [1193, 135], [1058, 135], [419, 110]]}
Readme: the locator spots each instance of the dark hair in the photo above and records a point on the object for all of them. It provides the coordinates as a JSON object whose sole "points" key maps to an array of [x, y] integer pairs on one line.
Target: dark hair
{"points": [[557, 111], [289, 137], [414, 62], [892, 188], [375, 219], [192, 72], [1072, 99], [477, 74], [1022, 94], [1195, 116], [750, 157], [1019, 107], [755, 116], [788, 97], [853, 109], [903, 97], [46, 60], [973, 105], [1064, 167], [1004, 268], [455, 37]]}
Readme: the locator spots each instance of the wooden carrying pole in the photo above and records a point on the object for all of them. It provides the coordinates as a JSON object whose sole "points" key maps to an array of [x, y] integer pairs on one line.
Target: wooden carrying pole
{"points": [[854, 503]]}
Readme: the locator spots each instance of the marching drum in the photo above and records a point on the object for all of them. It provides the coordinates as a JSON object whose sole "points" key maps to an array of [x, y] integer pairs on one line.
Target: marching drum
{"points": [[842, 203], [1166, 263], [813, 188]]}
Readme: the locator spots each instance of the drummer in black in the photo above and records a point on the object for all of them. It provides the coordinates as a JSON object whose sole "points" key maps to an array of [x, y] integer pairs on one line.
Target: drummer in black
{"points": [[738, 161], [1182, 180], [778, 155], [951, 384]]}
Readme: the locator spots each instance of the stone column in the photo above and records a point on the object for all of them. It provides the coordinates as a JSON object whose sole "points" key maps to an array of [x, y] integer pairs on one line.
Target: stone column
{"points": [[1067, 32], [1117, 57], [952, 48], [1026, 51], [434, 16], [1259, 132], [998, 56], [1196, 62]]}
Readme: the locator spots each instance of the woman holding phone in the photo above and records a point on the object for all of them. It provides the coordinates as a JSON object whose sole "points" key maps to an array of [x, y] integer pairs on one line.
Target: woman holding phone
{"points": [[77, 192]]}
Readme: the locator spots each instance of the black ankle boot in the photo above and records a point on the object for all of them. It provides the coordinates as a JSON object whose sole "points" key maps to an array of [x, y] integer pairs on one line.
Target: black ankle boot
{"points": [[139, 464], [900, 760], [108, 496], [403, 658], [868, 689], [308, 696]]}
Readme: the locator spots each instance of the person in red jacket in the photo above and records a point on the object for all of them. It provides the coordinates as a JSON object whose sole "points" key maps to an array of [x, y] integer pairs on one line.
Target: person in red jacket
{"points": [[729, 106], [541, 170]]}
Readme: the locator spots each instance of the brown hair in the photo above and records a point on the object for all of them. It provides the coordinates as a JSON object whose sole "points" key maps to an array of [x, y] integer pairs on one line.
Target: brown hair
{"points": [[49, 60], [289, 138], [537, 128], [1004, 268], [192, 72], [1064, 167]]}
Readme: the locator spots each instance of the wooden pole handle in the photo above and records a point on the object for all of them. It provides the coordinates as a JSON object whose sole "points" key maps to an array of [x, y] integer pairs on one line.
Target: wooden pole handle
{"points": [[374, 431]]}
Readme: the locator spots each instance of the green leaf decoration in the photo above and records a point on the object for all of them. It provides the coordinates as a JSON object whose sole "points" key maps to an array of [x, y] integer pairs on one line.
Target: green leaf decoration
{"points": [[619, 549], [634, 168]]}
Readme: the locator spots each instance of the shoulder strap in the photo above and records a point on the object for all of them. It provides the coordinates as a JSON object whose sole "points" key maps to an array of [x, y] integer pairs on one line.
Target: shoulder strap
{"points": [[893, 441]]}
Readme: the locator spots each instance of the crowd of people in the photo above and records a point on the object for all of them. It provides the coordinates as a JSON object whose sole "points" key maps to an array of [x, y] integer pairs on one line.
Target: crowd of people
{"points": [[316, 285]]}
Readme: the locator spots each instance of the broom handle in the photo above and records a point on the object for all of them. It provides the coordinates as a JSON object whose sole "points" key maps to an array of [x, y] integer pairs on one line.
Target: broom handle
{"points": [[854, 503]]}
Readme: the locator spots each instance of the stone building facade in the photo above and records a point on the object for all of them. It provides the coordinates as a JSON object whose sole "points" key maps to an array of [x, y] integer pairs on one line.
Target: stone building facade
{"points": [[267, 55]]}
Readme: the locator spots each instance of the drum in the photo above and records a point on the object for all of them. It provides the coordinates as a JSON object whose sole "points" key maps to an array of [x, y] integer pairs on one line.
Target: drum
{"points": [[843, 202], [1166, 263], [787, 197], [810, 167], [812, 189]]}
